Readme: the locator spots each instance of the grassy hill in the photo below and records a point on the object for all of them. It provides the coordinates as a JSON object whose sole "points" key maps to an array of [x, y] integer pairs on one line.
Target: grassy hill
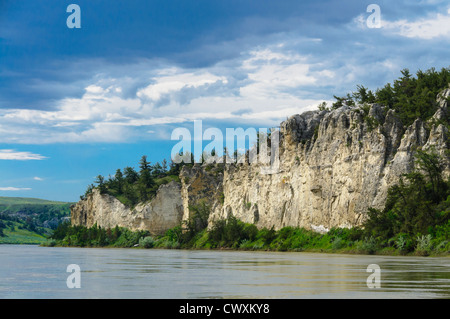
{"points": [[30, 220], [27, 200]]}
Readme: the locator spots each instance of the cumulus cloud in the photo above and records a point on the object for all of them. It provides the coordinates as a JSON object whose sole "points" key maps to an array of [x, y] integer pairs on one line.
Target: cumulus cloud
{"points": [[436, 25], [178, 81], [265, 81], [269, 79], [275, 72]]}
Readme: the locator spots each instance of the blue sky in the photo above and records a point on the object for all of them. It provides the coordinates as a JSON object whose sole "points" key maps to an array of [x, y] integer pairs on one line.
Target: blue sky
{"points": [[75, 103]]}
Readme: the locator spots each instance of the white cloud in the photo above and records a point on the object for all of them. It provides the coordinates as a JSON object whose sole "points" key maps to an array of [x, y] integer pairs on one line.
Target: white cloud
{"points": [[94, 89], [272, 72], [433, 26], [36, 178], [166, 84], [269, 82], [13, 189], [7, 154]]}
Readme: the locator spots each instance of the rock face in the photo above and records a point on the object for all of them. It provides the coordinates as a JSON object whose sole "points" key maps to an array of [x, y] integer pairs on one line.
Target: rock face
{"points": [[333, 166], [201, 184], [165, 211]]}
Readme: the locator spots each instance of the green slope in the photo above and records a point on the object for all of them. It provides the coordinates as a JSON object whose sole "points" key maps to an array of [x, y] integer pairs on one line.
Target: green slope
{"points": [[30, 220], [26, 200], [14, 233]]}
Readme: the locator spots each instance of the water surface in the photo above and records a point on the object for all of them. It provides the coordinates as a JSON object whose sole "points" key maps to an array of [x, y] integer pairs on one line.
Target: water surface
{"points": [[33, 272]]}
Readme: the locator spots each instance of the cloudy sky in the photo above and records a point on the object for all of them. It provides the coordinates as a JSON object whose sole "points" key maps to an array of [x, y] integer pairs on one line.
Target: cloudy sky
{"points": [[75, 103]]}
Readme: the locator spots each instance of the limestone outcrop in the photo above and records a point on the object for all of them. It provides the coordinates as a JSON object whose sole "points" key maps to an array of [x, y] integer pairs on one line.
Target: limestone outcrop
{"points": [[163, 212], [333, 166]]}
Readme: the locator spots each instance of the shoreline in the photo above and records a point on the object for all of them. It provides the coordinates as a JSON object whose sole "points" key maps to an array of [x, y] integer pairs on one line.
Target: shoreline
{"points": [[311, 251], [235, 235]]}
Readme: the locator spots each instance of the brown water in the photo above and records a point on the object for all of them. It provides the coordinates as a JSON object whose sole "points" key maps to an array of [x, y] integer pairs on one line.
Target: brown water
{"points": [[33, 272]]}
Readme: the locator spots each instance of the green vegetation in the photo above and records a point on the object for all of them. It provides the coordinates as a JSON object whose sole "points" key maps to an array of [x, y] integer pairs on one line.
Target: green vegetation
{"points": [[411, 97], [426, 232], [29, 206], [80, 236], [414, 221], [29, 220], [417, 211], [131, 186], [12, 232]]}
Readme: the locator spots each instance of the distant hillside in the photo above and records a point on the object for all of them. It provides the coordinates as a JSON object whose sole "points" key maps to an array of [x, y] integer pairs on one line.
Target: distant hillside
{"points": [[25, 200], [30, 220]]}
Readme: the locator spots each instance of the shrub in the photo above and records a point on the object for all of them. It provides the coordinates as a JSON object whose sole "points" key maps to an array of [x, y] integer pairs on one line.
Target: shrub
{"points": [[423, 245], [400, 243], [217, 231], [174, 234], [250, 231], [338, 243], [147, 242], [368, 245], [199, 216], [258, 245], [234, 231], [168, 244], [202, 240], [267, 235], [443, 246]]}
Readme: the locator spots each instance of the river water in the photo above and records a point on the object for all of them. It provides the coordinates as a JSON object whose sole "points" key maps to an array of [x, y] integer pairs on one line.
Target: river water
{"points": [[33, 272]]}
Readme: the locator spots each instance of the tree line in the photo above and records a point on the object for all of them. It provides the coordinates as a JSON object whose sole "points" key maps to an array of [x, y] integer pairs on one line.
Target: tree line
{"points": [[132, 186], [417, 208], [415, 220], [410, 96]]}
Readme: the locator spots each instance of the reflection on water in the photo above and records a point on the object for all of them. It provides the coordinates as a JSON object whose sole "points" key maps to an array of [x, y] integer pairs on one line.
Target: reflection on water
{"points": [[40, 272]]}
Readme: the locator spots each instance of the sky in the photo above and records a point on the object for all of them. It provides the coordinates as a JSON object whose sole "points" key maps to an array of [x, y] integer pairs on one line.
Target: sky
{"points": [[79, 102]]}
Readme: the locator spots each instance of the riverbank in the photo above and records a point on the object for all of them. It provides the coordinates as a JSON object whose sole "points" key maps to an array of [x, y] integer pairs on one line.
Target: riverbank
{"points": [[383, 252], [236, 235]]}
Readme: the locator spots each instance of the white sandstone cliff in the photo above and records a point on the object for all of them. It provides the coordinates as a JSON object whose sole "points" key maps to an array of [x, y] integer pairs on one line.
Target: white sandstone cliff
{"points": [[163, 212], [334, 165]]}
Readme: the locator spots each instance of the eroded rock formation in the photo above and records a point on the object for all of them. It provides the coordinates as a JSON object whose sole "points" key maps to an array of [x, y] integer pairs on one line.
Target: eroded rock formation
{"points": [[334, 165]]}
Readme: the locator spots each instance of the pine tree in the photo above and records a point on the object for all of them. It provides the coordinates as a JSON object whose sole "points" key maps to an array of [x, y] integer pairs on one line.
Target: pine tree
{"points": [[164, 166], [119, 181], [157, 170], [145, 182], [131, 176], [100, 181]]}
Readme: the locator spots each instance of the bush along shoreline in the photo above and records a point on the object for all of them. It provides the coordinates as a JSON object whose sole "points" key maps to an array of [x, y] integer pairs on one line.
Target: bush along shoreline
{"points": [[415, 221], [233, 234]]}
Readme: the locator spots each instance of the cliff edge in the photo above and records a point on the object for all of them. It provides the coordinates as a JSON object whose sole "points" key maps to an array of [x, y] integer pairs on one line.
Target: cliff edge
{"points": [[163, 212], [333, 166]]}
